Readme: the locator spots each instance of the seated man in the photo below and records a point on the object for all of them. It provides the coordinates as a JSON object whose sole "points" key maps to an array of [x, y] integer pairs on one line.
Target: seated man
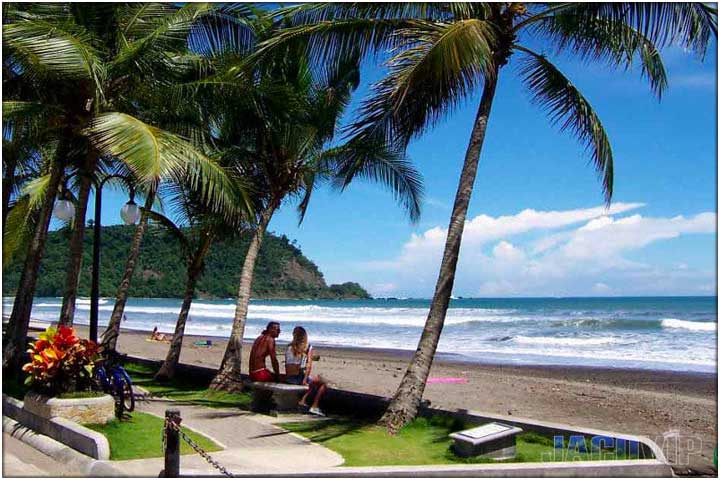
{"points": [[263, 347]]}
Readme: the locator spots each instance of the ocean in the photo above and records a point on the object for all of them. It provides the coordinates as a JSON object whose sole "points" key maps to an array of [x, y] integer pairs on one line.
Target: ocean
{"points": [[660, 333]]}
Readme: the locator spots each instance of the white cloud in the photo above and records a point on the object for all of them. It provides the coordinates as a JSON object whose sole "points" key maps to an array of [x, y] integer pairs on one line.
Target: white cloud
{"points": [[610, 237], [434, 202], [602, 289], [507, 252], [694, 80], [572, 252], [484, 228]]}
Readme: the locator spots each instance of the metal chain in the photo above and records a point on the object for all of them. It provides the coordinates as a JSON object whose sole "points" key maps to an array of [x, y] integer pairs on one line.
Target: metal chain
{"points": [[194, 446]]}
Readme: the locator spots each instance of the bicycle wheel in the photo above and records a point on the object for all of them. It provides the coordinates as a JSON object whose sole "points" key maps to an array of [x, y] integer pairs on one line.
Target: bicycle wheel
{"points": [[128, 397]]}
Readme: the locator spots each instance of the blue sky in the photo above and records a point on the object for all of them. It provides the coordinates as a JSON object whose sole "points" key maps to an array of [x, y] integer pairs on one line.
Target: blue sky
{"points": [[535, 222]]}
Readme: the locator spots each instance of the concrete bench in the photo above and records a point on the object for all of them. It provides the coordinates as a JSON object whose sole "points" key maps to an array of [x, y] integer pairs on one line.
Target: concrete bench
{"points": [[279, 397]]}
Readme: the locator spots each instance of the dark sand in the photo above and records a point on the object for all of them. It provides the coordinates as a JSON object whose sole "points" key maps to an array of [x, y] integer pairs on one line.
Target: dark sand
{"points": [[640, 402]]}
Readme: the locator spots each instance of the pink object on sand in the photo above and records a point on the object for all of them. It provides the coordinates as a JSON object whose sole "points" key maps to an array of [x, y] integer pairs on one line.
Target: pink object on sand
{"points": [[446, 380]]}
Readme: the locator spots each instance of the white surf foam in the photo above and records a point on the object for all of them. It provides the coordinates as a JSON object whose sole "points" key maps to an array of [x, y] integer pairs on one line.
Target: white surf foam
{"points": [[688, 325], [565, 340], [404, 317]]}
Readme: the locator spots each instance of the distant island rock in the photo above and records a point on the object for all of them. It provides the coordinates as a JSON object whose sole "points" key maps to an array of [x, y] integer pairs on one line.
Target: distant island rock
{"points": [[282, 271]]}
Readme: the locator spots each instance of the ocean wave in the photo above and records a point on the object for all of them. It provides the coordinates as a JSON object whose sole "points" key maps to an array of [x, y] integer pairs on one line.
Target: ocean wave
{"points": [[688, 325], [86, 301], [608, 357], [607, 323], [629, 323], [315, 314], [565, 340]]}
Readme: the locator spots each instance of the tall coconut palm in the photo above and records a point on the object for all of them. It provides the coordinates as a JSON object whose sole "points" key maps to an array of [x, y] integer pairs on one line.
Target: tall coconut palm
{"points": [[201, 229], [90, 62], [441, 54], [195, 253], [279, 134]]}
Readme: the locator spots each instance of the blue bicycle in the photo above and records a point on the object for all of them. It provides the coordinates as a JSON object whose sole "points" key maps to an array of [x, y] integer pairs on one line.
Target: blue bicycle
{"points": [[113, 379]]}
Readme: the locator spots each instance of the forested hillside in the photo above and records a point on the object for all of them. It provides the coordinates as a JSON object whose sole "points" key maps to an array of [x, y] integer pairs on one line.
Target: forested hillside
{"points": [[282, 270]]}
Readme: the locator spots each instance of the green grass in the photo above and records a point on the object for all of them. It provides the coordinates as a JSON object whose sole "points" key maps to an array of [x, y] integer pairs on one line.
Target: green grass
{"points": [[422, 442], [140, 437], [186, 389]]}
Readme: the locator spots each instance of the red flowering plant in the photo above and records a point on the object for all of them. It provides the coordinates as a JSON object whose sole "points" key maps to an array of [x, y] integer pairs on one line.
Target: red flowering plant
{"points": [[60, 362]]}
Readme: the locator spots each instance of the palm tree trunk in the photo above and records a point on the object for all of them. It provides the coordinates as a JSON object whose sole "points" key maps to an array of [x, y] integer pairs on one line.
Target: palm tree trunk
{"points": [[20, 317], [67, 312], [228, 376], [7, 184], [167, 370], [404, 405], [110, 335]]}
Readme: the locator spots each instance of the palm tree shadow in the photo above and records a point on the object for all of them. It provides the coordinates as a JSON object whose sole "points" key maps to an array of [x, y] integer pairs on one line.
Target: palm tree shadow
{"points": [[322, 431]]}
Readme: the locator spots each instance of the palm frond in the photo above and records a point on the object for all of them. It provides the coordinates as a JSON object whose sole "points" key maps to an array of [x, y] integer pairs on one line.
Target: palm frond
{"points": [[138, 20], [18, 229], [153, 154], [44, 49], [170, 226], [596, 39], [331, 41], [690, 25], [437, 67], [377, 162], [223, 31], [569, 109], [28, 123], [164, 32], [15, 108], [310, 178], [311, 13], [35, 190]]}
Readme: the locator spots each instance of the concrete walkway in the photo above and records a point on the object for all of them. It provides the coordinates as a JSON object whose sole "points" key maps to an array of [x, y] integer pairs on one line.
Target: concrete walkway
{"points": [[22, 460], [252, 444]]}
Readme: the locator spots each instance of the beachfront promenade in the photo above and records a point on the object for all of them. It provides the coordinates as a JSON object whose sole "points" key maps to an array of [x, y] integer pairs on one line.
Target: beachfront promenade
{"points": [[251, 445]]}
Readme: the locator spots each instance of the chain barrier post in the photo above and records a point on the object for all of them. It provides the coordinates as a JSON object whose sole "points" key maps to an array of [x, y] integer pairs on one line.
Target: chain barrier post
{"points": [[172, 444]]}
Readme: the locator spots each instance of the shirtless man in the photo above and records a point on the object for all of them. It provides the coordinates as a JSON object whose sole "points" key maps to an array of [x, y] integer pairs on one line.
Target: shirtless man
{"points": [[263, 346]]}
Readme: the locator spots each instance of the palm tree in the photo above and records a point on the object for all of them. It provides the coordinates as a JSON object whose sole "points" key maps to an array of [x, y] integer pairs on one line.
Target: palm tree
{"points": [[89, 66], [195, 265], [440, 54], [278, 134], [196, 239], [225, 195]]}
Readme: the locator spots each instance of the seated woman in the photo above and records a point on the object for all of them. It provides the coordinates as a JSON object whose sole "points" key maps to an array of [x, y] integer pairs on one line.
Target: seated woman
{"points": [[157, 336], [298, 365]]}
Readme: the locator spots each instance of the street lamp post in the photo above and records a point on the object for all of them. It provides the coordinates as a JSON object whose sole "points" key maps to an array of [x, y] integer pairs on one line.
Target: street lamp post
{"points": [[130, 213]]}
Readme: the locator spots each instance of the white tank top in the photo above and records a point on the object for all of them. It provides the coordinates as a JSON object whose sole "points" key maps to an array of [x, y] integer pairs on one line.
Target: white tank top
{"points": [[291, 358]]}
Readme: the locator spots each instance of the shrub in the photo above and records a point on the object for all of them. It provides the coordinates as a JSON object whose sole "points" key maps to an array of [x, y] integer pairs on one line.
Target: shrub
{"points": [[60, 362]]}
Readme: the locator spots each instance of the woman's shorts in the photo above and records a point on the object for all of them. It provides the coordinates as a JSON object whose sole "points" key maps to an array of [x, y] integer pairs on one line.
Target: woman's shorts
{"points": [[295, 379]]}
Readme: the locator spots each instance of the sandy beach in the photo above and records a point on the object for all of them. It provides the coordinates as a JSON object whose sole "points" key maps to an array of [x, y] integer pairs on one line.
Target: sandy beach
{"points": [[641, 402]]}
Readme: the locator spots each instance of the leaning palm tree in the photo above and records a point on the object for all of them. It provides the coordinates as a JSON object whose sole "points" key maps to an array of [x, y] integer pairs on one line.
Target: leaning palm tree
{"points": [[201, 228], [441, 54], [87, 66], [278, 135]]}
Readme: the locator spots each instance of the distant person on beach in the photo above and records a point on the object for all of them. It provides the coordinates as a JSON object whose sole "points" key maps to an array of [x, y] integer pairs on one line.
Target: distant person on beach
{"points": [[157, 336], [263, 347], [298, 365]]}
